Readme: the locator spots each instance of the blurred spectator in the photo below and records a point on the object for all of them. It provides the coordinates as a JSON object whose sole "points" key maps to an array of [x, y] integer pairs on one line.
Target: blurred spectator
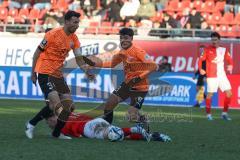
{"points": [[195, 19], [169, 22], [161, 4], [146, 10], [75, 5], [114, 8], [164, 65], [205, 30], [13, 4], [232, 6], [42, 4], [145, 27], [88, 7], [53, 19], [237, 7], [185, 18], [155, 29], [129, 9]]}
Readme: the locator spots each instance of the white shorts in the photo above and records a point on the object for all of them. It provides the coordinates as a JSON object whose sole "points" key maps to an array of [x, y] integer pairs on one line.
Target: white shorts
{"points": [[95, 128], [219, 82]]}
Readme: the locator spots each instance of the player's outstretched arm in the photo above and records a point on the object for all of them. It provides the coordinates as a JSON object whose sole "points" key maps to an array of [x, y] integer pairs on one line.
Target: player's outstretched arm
{"points": [[84, 62], [106, 60]]}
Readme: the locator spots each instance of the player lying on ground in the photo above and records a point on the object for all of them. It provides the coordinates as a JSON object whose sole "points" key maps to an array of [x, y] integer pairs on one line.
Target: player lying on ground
{"points": [[82, 125]]}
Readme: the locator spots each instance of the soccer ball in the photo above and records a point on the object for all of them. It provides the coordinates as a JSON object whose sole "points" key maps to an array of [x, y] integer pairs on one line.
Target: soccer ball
{"points": [[115, 134]]}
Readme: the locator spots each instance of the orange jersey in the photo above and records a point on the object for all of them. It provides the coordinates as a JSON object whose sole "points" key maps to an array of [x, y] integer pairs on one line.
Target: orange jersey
{"points": [[136, 63], [55, 45]]}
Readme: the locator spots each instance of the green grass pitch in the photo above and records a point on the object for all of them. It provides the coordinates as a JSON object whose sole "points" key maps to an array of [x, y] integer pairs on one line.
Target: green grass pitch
{"points": [[194, 138]]}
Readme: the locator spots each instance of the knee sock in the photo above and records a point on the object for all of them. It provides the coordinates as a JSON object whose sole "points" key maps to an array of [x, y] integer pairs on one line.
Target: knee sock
{"points": [[45, 112], [108, 116], [227, 101], [208, 105]]}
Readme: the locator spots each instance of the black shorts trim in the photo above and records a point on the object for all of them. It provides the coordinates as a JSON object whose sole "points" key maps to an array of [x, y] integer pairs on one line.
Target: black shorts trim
{"points": [[136, 97], [49, 83], [200, 80]]}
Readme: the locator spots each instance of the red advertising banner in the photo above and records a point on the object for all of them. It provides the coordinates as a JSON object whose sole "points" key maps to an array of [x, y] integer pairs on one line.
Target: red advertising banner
{"points": [[183, 55], [235, 83]]}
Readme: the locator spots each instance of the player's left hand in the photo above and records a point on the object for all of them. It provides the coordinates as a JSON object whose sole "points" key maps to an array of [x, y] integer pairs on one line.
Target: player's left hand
{"points": [[230, 68]]}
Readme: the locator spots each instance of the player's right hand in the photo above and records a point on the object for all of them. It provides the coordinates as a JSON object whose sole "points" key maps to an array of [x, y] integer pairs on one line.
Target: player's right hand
{"points": [[34, 78], [202, 72]]}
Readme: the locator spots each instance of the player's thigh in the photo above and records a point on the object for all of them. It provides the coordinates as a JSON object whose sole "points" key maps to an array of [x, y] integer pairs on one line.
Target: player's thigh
{"points": [[118, 95], [48, 89], [224, 84], [112, 102], [212, 85], [54, 99], [122, 91], [60, 85], [66, 101]]}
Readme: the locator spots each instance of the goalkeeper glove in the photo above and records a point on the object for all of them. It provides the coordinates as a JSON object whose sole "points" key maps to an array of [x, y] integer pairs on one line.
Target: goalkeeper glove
{"points": [[88, 61]]}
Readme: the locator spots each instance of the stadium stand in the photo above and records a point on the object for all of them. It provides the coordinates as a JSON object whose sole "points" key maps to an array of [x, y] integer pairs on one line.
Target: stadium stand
{"points": [[219, 15]]}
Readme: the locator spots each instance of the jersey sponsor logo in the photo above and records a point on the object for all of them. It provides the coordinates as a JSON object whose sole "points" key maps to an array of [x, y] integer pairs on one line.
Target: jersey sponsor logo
{"points": [[72, 44]]}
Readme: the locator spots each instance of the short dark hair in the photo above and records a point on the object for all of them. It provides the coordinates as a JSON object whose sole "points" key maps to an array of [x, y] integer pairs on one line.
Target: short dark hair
{"points": [[71, 14], [165, 57], [126, 31], [215, 34]]}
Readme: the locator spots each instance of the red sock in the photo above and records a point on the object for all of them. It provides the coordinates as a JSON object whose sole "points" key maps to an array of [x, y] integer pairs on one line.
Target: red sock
{"points": [[126, 131], [135, 136], [208, 105], [227, 101]]}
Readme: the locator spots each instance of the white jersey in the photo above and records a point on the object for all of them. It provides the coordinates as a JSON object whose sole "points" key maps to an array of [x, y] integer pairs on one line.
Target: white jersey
{"points": [[95, 128]]}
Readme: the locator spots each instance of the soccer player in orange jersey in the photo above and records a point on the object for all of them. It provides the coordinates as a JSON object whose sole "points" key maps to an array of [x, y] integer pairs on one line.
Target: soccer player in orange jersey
{"points": [[137, 66], [46, 68]]}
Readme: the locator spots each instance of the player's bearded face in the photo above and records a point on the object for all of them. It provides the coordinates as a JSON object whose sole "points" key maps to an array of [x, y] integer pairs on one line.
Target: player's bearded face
{"points": [[73, 24], [126, 41], [215, 41]]}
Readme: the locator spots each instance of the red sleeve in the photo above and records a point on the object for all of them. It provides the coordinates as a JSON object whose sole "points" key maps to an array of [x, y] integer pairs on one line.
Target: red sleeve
{"points": [[228, 58], [71, 129], [75, 124], [132, 136]]}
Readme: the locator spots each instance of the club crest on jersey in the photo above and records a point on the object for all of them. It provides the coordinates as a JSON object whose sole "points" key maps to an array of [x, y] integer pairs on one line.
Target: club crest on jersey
{"points": [[71, 44], [147, 57]]}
